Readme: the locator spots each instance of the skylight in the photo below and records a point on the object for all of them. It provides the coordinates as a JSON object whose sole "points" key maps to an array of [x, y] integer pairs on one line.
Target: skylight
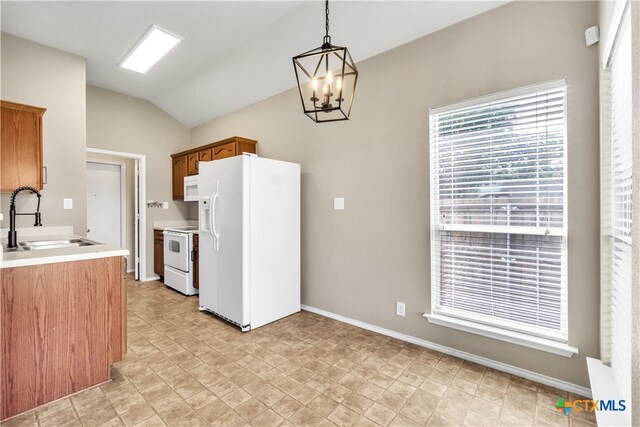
{"points": [[155, 44]]}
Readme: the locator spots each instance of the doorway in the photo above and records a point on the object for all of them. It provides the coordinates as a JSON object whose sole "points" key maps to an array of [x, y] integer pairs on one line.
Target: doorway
{"points": [[107, 203], [137, 224]]}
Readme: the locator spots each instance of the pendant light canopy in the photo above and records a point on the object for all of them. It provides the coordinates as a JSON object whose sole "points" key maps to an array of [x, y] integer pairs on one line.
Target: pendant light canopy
{"points": [[327, 79]]}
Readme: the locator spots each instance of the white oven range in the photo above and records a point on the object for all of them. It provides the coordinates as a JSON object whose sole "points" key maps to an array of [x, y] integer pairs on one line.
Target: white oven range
{"points": [[178, 259]]}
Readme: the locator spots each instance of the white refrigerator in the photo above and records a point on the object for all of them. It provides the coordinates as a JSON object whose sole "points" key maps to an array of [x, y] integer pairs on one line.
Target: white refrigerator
{"points": [[249, 254]]}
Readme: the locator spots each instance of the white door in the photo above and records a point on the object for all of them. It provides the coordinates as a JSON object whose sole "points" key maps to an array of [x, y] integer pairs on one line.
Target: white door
{"points": [[105, 186]]}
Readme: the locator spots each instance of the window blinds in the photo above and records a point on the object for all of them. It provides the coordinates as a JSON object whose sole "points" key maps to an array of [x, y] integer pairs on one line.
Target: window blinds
{"points": [[618, 171], [498, 216]]}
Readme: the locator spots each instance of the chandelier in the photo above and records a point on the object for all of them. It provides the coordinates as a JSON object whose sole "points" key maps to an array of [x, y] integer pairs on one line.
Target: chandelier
{"points": [[326, 79]]}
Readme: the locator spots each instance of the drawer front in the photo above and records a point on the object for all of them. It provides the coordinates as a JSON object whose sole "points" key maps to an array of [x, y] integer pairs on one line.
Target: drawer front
{"points": [[224, 151]]}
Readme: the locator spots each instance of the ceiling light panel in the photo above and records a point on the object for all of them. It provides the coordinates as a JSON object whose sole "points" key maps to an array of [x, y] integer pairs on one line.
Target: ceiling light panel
{"points": [[155, 44]]}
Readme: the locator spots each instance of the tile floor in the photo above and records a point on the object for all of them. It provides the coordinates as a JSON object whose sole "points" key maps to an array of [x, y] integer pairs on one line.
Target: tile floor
{"points": [[186, 368]]}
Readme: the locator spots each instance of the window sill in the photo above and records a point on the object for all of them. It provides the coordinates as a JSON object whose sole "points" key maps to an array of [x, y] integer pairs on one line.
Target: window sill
{"points": [[503, 335]]}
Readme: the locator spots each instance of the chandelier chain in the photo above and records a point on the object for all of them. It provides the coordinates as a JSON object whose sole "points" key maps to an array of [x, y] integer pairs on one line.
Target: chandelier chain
{"points": [[327, 38], [326, 8]]}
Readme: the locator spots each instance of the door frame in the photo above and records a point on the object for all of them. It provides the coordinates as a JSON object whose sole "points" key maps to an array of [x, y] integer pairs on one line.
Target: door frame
{"points": [[140, 186], [123, 196]]}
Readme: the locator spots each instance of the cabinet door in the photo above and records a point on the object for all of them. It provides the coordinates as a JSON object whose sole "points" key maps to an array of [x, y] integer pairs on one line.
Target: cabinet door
{"points": [[224, 151], [195, 262], [179, 172], [158, 257], [206, 155], [21, 147], [192, 164]]}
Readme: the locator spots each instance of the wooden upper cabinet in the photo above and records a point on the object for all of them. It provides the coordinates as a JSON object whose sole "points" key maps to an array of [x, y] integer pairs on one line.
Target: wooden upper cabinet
{"points": [[206, 155], [185, 163], [179, 171], [224, 151], [192, 164], [21, 146]]}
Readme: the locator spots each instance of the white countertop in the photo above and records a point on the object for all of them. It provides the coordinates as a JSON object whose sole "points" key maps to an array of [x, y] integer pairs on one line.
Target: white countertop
{"points": [[21, 258]]}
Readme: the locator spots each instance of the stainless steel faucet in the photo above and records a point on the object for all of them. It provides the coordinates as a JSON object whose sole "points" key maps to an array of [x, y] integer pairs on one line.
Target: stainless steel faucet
{"points": [[13, 237]]}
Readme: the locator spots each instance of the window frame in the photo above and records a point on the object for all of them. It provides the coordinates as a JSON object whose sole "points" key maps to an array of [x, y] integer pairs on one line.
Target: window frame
{"points": [[476, 324]]}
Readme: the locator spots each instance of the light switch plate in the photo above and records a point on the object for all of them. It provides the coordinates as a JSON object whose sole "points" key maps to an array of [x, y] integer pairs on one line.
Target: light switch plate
{"points": [[338, 203], [68, 203]]}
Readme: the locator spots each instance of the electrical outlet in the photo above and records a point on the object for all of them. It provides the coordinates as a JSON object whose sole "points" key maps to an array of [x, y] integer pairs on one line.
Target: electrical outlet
{"points": [[400, 308], [165, 205], [338, 203], [67, 203]]}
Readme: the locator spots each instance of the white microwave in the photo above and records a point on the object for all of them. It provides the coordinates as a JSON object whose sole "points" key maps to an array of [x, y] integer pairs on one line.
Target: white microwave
{"points": [[191, 188]]}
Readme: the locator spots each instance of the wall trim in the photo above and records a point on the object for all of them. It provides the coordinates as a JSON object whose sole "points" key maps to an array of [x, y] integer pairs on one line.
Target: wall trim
{"points": [[490, 363], [150, 278]]}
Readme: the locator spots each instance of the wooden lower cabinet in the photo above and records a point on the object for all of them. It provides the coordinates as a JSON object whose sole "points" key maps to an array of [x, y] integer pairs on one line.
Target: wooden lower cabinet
{"points": [[196, 261], [61, 329], [158, 253]]}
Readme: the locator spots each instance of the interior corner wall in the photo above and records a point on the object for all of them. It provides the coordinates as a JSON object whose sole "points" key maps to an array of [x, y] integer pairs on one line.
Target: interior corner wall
{"points": [[123, 123], [359, 261], [39, 75]]}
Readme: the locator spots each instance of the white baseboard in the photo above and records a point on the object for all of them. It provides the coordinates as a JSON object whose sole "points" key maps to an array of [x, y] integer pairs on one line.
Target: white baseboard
{"points": [[514, 370], [151, 278]]}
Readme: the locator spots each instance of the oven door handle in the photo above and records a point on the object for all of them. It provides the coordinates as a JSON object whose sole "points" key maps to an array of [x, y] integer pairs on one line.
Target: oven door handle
{"points": [[172, 233]]}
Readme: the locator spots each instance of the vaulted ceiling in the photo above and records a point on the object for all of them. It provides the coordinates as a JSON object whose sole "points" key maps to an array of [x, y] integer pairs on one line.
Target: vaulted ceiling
{"points": [[234, 53]]}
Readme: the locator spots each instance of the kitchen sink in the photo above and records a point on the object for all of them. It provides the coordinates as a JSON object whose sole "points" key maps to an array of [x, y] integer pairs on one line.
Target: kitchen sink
{"points": [[55, 244]]}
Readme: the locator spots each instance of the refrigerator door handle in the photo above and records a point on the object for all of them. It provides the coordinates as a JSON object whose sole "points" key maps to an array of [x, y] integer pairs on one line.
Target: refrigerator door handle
{"points": [[210, 215], [212, 212]]}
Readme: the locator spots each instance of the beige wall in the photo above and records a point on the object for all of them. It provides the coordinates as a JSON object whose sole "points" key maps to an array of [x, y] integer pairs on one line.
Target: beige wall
{"points": [[39, 75], [360, 261], [130, 207], [123, 123]]}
